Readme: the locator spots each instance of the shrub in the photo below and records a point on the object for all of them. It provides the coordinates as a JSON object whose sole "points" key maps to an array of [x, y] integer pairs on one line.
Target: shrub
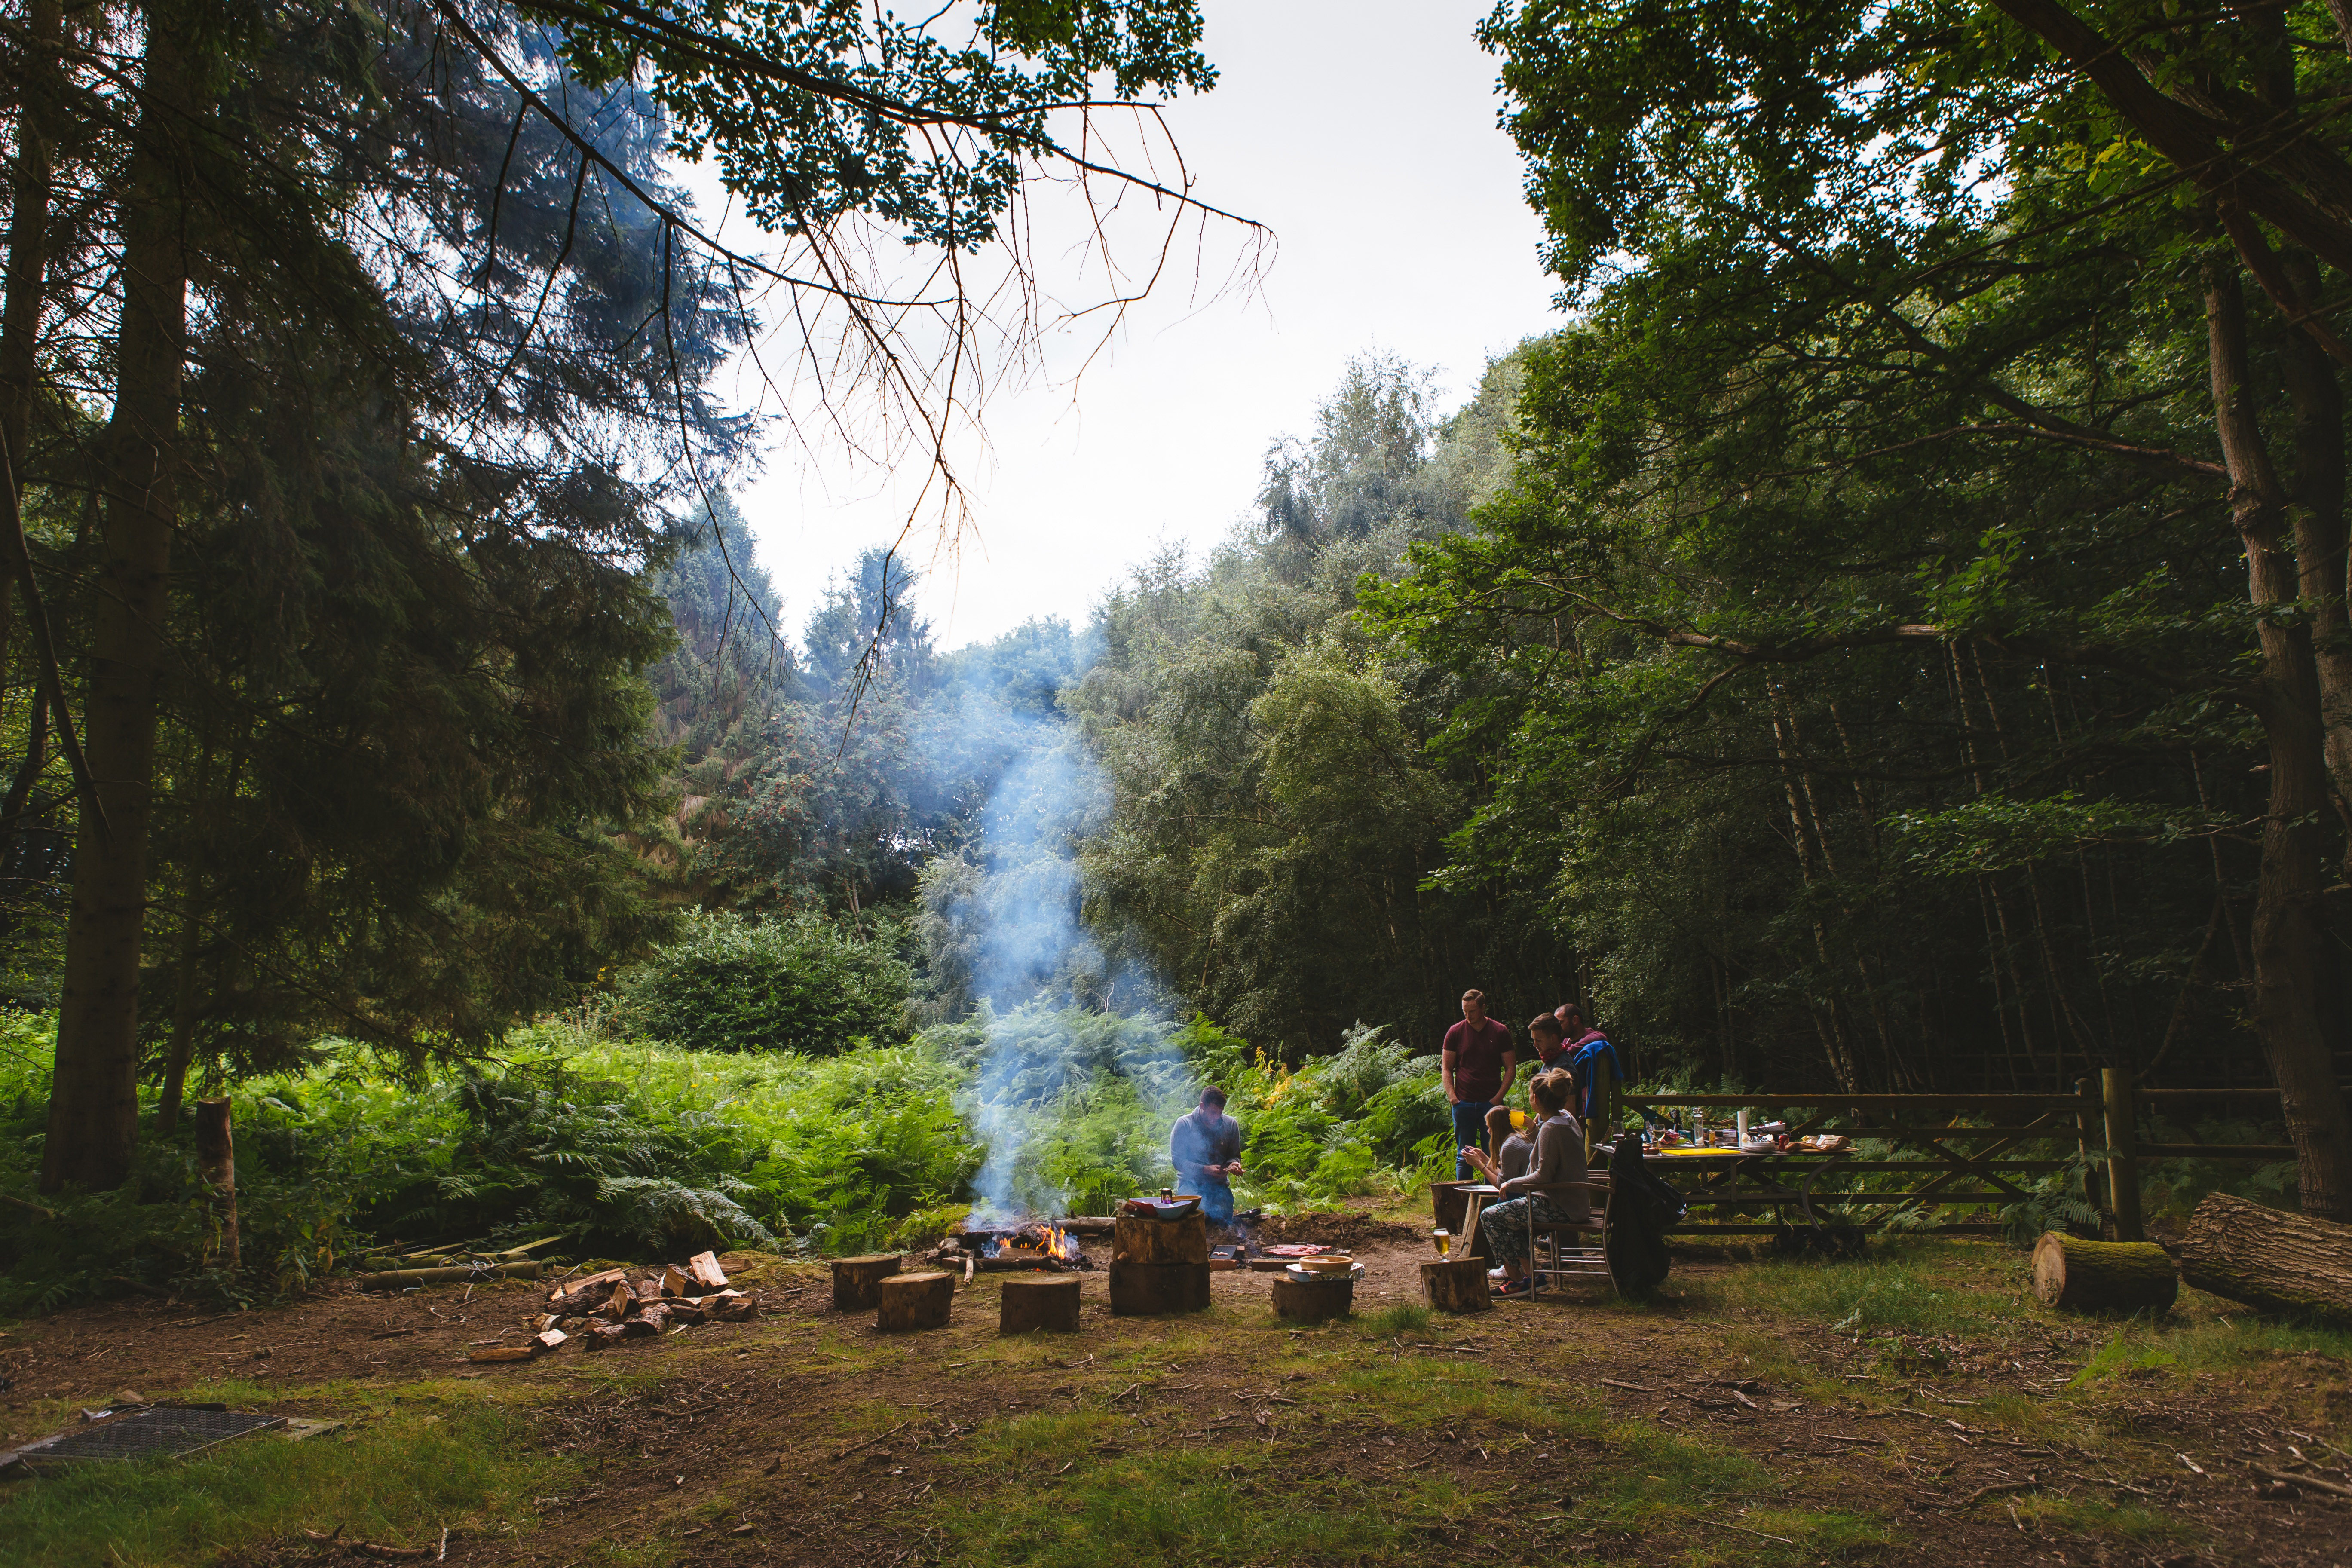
{"points": [[799, 984]]}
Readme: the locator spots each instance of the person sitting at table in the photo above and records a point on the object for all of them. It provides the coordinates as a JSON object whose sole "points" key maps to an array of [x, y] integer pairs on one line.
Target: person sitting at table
{"points": [[1559, 1159], [1510, 1147]]}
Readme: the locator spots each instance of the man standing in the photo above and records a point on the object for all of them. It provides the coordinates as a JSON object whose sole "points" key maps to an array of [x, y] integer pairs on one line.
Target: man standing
{"points": [[1206, 1148], [1475, 1066]]}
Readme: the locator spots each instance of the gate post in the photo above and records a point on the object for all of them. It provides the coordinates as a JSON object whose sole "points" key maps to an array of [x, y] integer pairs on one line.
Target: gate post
{"points": [[2123, 1166]]}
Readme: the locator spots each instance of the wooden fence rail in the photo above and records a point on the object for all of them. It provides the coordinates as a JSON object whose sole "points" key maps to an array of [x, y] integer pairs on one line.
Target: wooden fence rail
{"points": [[1969, 1167]]}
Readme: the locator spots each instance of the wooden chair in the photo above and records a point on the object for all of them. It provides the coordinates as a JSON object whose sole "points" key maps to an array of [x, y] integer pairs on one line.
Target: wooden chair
{"points": [[1570, 1252]]}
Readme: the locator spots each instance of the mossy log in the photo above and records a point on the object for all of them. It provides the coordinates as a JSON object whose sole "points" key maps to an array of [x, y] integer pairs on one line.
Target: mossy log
{"points": [[914, 1302], [1039, 1301], [1156, 1289], [1161, 1241], [2078, 1275], [855, 1279], [2269, 1258], [1456, 1285]]}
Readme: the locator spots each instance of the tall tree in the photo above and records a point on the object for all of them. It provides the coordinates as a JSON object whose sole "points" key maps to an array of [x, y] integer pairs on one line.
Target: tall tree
{"points": [[1897, 343]]}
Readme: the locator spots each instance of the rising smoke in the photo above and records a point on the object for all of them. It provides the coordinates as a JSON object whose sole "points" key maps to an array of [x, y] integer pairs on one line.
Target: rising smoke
{"points": [[1059, 1027]]}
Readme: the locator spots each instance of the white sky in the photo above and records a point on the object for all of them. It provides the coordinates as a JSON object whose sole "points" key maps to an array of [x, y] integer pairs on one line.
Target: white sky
{"points": [[1362, 132]]}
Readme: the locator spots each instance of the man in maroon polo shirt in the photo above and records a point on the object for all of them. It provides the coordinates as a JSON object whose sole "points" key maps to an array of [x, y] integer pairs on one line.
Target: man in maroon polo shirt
{"points": [[1475, 1066]]}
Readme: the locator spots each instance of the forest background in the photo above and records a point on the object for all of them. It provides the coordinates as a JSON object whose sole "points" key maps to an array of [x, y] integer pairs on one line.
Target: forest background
{"points": [[1876, 645]]}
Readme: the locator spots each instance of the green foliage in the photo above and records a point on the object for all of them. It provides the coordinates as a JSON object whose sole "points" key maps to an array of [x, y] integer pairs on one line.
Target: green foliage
{"points": [[798, 983]]}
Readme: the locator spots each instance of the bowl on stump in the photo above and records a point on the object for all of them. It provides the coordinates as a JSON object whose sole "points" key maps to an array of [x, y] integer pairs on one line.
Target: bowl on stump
{"points": [[1305, 1298], [854, 1280], [1039, 1301], [914, 1300]]}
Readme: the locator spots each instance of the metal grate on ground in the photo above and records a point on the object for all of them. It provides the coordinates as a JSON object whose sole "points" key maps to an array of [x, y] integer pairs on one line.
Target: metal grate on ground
{"points": [[165, 1431]]}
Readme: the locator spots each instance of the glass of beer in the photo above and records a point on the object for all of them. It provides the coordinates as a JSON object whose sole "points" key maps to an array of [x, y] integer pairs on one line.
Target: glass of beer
{"points": [[1444, 1238]]}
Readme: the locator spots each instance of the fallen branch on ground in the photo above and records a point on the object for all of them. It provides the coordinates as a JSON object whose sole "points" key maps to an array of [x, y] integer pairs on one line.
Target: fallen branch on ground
{"points": [[869, 1442]]}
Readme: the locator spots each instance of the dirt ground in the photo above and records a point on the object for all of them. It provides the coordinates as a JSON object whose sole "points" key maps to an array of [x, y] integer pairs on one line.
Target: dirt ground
{"points": [[806, 1438]]}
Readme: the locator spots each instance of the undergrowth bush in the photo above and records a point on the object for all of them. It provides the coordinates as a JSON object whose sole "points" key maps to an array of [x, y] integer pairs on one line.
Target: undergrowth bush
{"points": [[638, 1150], [800, 982]]}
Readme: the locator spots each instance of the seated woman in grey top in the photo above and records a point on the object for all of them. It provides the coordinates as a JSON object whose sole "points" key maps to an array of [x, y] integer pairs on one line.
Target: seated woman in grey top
{"points": [[1513, 1150], [1559, 1159]]}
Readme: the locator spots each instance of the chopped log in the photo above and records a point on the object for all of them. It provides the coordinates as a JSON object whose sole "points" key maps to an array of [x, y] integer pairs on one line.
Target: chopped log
{"points": [[684, 1311], [648, 1288], [855, 1278], [1313, 1300], [906, 1301], [676, 1281], [1456, 1285], [621, 1302], [550, 1338], [1090, 1225], [654, 1312], [731, 1308], [1161, 1241], [640, 1328], [1039, 1301], [402, 1278], [502, 1352], [216, 1169], [2078, 1275], [601, 1336], [703, 1267], [576, 1295], [2268, 1258], [544, 1322], [1156, 1289]]}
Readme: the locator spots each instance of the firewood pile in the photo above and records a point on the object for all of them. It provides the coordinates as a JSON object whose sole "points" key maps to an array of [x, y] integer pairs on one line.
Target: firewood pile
{"points": [[603, 1309]]}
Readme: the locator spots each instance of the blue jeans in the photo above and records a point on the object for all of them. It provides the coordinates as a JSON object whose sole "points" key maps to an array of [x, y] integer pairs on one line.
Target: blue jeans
{"points": [[1469, 1130], [1216, 1195]]}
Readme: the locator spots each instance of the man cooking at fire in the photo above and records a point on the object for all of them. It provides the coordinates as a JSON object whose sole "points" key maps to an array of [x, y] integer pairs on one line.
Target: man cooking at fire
{"points": [[1206, 1148]]}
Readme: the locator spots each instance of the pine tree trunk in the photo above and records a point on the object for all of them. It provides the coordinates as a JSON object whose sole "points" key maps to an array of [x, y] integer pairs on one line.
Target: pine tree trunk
{"points": [[94, 1106], [2287, 936], [28, 243]]}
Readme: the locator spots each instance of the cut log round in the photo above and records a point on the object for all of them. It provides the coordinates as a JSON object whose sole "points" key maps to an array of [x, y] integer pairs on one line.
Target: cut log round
{"points": [[1456, 1285], [2268, 1257], [854, 1280], [2078, 1275], [1156, 1289], [1313, 1300], [906, 1301], [1039, 1301], [1161, 1241]]}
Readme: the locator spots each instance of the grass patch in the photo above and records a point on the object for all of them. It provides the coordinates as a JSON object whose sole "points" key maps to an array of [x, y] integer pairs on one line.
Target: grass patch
{"points": [[1924, 1286], [2096, 1516], [396, 1481], [1403, 1317]]}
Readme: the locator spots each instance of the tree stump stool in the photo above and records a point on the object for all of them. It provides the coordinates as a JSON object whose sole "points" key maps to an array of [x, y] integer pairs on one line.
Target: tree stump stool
{"points": [[1456, 1285], [1300, 1301], [1157, 1290], [914, 1300], [854, 1280], [1039, 1301], [2078, 1275], [1161, 1241]]}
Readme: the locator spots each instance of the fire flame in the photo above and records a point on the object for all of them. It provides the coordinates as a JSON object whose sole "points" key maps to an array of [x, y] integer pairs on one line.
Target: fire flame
{"points": [[1050, 1241]]}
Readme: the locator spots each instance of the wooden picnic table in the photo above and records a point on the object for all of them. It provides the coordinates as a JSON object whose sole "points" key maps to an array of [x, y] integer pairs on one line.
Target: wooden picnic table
{"points": [[1749, 1173]]}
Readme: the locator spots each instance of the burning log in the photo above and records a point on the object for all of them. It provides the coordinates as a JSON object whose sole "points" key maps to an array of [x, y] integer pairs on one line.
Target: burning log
{"points": [[856, 1280], [1034, 1301], [905, 1301]]}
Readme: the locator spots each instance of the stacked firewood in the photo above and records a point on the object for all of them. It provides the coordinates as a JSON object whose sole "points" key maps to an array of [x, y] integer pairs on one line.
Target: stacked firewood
{"points": [[601, 1310]]}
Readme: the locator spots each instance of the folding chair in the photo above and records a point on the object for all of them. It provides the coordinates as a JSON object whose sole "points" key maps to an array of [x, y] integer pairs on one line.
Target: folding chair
{"points": [[1564, 1252]]}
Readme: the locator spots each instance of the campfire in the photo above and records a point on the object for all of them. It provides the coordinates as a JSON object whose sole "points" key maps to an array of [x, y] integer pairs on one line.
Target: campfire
{"points": [[998, 1243]]}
